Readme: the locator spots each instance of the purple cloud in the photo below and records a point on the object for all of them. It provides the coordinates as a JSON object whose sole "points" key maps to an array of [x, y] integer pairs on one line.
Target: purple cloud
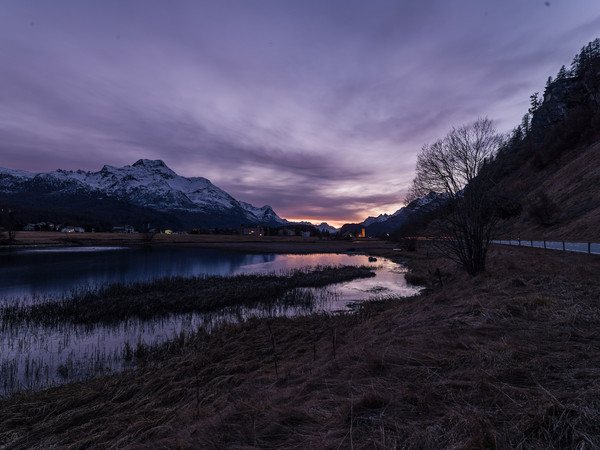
{"points": [[316, 108]]}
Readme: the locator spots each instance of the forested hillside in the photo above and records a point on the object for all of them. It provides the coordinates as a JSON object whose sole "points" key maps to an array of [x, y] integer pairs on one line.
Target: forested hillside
{"points": [[548, 168], [551, 160]]}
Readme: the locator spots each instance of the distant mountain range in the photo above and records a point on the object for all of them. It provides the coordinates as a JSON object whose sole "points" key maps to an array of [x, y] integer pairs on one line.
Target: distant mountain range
{"points": [[388, 223], [147, 192]]}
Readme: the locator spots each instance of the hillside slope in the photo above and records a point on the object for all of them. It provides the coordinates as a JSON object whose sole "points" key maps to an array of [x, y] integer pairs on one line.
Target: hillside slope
{"points": [[561, 200], [550, 163], [551, 159]]}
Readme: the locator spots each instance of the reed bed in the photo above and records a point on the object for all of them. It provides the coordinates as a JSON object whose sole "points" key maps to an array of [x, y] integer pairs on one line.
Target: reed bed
{"points": [[175, 295], [51, 342]]}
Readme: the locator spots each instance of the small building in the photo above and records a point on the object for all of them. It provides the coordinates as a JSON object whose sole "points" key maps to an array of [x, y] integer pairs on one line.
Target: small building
{"points": [[286, 232], [253, 231], [353, 230], [70, 229], [40, 226], [123, 229]]}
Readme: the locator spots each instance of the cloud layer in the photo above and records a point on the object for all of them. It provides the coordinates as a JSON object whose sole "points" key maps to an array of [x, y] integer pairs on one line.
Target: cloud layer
{"points": [[317, 108]]}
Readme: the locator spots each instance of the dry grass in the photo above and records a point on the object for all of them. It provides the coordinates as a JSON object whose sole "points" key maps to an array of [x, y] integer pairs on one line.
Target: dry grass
{"points": [[508, 359], [178, 295], [260, 244], [571, 182]]}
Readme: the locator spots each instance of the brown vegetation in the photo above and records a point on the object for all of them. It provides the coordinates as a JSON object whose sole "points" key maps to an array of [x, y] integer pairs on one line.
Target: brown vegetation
{"points": [[562, 199], [177, 295], [242, 243], [507, 359]]}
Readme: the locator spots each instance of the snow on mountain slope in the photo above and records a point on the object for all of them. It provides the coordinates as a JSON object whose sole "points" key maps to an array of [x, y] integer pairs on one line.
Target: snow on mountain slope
{"points": [[386, 223], [431, 198], [264, 214], [10, 180], [146, 183], [152, 184], [324, 226], [371, 220], [16, 173]]}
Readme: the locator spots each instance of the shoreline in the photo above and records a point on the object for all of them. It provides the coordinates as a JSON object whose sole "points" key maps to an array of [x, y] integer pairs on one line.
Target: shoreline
{"points": [[237, 243]]}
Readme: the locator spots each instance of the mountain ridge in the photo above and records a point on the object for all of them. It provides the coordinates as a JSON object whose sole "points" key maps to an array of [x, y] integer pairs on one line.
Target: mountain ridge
{"points": [[388, 223], [147, 184]]}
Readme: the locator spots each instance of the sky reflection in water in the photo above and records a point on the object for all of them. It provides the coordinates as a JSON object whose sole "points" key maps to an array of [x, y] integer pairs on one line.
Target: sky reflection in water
{"points": [[30, 274], [32, 356]]}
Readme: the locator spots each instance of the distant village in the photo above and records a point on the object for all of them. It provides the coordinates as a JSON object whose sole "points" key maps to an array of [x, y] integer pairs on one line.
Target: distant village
{"points": [[303, 230]]}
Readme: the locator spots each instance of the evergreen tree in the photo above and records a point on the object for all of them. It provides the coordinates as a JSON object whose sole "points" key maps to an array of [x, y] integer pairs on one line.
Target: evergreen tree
{"points": [[526, 124], [562, 73], [517, 135], [535, 101], [578, 62], [595, 46]]}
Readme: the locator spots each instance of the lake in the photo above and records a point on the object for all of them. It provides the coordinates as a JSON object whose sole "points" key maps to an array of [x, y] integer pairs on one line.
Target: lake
{"points": [[34, 356], [26, 274]]}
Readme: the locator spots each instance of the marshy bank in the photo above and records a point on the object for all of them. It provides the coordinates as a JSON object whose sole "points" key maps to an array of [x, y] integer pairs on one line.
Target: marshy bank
{"points": [[97, 328], [507, 359], [177, 295], [52, 341]]}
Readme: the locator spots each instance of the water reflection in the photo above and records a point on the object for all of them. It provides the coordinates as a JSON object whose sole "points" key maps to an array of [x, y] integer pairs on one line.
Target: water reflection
{"points": [[389, 277], [33, 357], [57, 271]]}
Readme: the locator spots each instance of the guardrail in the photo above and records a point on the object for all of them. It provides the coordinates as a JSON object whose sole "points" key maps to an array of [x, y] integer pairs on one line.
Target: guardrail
{"points": [[592, 248]]}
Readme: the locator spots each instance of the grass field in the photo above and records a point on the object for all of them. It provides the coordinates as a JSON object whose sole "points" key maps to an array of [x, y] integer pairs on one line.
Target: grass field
{"points": [[259, 244]]}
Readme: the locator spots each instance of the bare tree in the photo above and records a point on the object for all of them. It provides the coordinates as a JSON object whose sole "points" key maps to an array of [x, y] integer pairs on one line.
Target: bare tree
{"points": [[148, 233], [459, 165], [8, 219]]}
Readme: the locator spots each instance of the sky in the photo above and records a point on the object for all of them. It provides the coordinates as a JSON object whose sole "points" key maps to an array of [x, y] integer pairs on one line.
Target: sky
{"points": [[318, 108]]}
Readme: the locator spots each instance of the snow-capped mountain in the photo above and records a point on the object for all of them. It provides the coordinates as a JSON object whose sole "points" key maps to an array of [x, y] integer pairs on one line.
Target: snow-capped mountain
{"points": [[371, 220], [147, 184], [324, 226], [263, 215], [386, 223]]}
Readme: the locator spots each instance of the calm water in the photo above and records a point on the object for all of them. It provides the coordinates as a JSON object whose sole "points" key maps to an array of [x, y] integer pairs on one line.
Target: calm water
{"points": [[28, 275], [57, 271], [33, 357]]}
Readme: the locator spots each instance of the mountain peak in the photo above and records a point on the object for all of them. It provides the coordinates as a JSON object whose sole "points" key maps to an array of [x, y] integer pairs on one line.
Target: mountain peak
{"points": [[147, 184], [150, 163]]}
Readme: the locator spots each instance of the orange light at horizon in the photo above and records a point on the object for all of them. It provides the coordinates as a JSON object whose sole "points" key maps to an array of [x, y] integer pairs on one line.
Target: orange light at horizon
{"points": [[360, 215], [318, 221]]}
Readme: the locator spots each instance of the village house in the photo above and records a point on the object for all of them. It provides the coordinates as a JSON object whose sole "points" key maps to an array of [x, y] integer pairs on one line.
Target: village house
{"points": [[253, 231], [71, 229], [353, 230], [123, 229], [40, 226]]}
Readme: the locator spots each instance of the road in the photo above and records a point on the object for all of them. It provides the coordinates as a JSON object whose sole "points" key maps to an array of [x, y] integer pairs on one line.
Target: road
{"points": [[580, 247]]}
